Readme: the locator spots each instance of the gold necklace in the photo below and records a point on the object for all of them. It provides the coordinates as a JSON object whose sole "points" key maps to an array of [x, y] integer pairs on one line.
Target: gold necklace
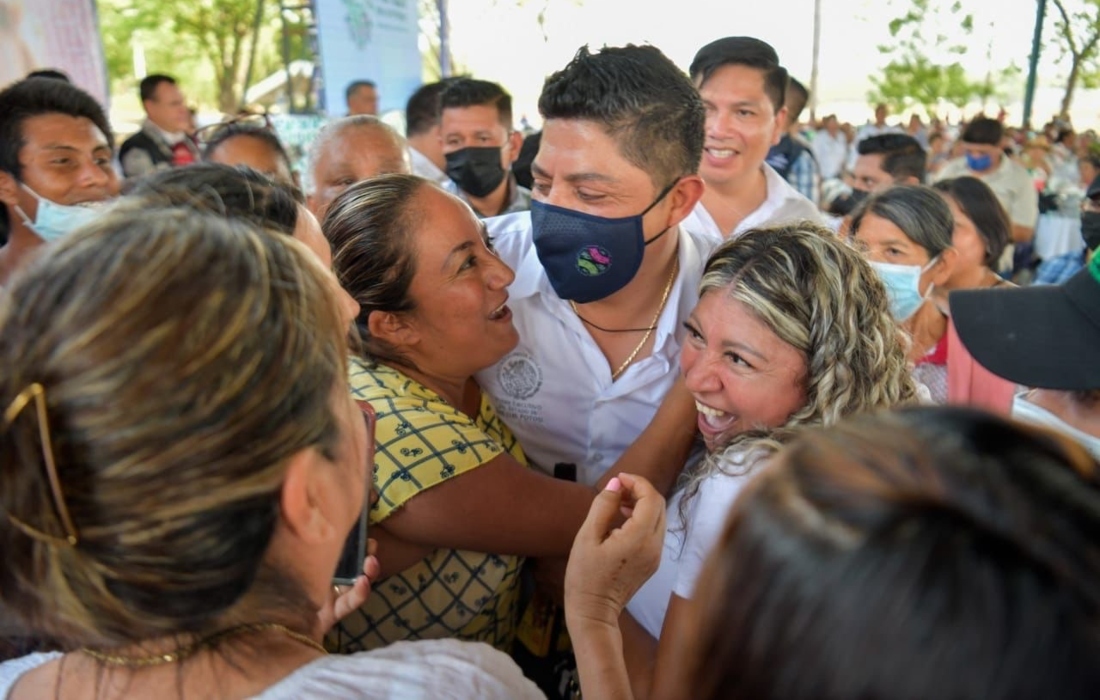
{"points": [[191, 649], [652, 324]]}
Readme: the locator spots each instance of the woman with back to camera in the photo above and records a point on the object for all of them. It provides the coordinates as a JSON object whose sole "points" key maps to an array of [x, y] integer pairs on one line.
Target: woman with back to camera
{"points": [[792, 329], [451, 478], [180, 464], [893, 556], [905, 232]]}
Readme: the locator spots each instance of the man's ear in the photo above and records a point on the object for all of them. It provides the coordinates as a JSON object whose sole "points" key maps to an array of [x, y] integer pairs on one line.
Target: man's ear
{"points": [[392, 329], [780, 125], [684, 196], [9, 189], [515, 143]]}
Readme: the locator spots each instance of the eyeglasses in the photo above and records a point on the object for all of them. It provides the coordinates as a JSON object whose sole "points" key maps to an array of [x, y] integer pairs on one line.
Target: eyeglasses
{"points": [[212, 132]]}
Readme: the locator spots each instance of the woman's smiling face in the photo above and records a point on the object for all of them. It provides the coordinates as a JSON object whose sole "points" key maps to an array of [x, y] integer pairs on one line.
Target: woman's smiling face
{"points": [[743, 376]]}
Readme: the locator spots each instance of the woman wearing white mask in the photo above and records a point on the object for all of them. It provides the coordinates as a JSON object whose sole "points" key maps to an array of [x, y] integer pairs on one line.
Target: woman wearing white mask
{"points": [[1044, 337], [905, 233]]}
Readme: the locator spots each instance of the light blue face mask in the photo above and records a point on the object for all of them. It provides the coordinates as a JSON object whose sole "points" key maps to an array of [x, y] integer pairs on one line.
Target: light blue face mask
{"points": [[54, 221], [1024, 410], [902, 284]]}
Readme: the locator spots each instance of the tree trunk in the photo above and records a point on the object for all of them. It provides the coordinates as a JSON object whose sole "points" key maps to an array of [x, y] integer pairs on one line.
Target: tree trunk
{"points": [[1071, 86]]}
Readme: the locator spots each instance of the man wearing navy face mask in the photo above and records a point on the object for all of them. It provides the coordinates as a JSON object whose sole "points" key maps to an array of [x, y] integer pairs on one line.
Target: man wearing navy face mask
{"points": [[985, 159], [480, 145], [605, 274], [56, 148]]}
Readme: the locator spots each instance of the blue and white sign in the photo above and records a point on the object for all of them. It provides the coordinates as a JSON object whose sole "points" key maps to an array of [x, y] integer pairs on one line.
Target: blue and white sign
{"points": [[374, 40]]}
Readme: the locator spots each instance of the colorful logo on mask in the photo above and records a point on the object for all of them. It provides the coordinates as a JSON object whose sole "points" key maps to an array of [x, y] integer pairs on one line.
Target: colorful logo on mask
{"points": [[593, 261]]}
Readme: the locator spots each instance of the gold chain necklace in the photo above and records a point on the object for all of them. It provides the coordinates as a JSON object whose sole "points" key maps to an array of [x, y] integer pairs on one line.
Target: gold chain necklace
{"points": [[648, 331], [191, 649]]}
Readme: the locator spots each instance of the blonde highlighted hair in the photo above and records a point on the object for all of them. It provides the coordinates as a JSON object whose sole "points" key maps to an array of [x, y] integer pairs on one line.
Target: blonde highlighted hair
{"points": [[819, 295], [184, 358]]}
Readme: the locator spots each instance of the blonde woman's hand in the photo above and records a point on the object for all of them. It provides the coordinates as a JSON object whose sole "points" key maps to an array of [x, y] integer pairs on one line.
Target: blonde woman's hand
{"points": [[344, 599], [609, 563]]}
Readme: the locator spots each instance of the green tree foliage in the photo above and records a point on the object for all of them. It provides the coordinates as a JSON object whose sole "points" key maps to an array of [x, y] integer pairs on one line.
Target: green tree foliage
{"points": [[1078, 34], [207, 44], [924, 69]]}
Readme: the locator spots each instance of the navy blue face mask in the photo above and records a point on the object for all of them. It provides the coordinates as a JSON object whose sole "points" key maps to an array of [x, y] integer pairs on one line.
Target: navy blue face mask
{"points": [[587, 257]]}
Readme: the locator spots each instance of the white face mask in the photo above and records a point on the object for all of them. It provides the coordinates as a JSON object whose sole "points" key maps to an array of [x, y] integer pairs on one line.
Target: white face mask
{"points": [[902, 284], [1025, 411], [54, 221]]}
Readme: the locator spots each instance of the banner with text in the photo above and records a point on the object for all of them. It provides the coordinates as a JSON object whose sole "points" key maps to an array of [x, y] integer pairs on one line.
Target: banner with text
{"points": [[374, 40]]}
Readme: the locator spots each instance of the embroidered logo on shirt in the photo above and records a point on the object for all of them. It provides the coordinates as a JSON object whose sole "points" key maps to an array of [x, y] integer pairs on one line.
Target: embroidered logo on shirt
{"points": [[519, 376]]}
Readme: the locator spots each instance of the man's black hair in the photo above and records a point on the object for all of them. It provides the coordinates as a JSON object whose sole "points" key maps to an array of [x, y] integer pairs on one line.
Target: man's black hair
{"points": [[902, 155], [149, 84], [51, 73], [422, 109], [354, 86], [640, 99], [983, 130], [471, 92], [33, 97], [742, 51]]}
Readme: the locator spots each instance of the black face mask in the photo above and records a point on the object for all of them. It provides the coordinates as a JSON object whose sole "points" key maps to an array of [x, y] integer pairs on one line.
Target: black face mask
{"points": [[858, 196], [476, 170], [1090, 229]]}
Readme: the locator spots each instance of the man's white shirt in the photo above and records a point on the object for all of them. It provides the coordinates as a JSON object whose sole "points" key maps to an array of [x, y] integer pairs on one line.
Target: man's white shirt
{"points": [[831, 152], [423, 166], [783, 205], [555, 389]]}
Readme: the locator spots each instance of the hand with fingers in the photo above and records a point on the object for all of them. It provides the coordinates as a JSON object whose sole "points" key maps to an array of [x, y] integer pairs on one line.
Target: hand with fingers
{"points": [[612, 558], [610, 561], [343, 599]]}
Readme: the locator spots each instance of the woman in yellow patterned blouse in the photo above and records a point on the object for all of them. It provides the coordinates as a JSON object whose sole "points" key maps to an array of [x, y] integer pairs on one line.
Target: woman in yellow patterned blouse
{"points": [[450, 477]]}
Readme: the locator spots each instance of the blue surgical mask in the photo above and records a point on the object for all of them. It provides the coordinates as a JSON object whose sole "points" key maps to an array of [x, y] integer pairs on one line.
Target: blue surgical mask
{"points": [[1024, 410], [54, 221], [979, 164], [902, 284], [587, 257]]}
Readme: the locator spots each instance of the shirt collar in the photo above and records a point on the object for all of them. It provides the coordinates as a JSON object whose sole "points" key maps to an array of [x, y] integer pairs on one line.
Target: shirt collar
{"points": [[170, 138]]}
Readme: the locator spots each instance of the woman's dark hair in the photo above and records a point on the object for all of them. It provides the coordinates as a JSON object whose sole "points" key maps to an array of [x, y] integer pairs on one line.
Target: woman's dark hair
{"points": [[917, 210], [925, 553], [264, 135], [370, 227], [982, 207], [238, 192]]}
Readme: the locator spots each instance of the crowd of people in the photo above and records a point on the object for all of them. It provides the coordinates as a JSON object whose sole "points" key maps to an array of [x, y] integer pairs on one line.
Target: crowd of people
{"points": [[674, 398]]}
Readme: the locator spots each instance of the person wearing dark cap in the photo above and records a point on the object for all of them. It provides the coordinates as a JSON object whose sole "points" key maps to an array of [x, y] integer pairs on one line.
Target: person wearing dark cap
{"points": [[1060, 268], [1010, 181], [1046, 338], [743, 87]]}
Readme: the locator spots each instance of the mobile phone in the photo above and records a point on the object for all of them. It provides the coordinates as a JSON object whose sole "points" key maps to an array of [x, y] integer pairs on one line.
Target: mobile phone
{"points": [[350, 565]]}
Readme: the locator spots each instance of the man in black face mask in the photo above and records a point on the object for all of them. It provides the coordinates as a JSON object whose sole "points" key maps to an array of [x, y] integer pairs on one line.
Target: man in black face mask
{"points": [[480, 145], [884, 160], [1060, 268]]}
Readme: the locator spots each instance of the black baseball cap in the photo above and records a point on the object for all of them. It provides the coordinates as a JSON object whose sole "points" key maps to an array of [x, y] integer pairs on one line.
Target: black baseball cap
{"points": [[1045, 336]]}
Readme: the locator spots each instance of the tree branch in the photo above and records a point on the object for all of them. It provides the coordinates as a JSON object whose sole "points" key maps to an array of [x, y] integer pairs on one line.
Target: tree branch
{"points": [[1067, 28]]}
